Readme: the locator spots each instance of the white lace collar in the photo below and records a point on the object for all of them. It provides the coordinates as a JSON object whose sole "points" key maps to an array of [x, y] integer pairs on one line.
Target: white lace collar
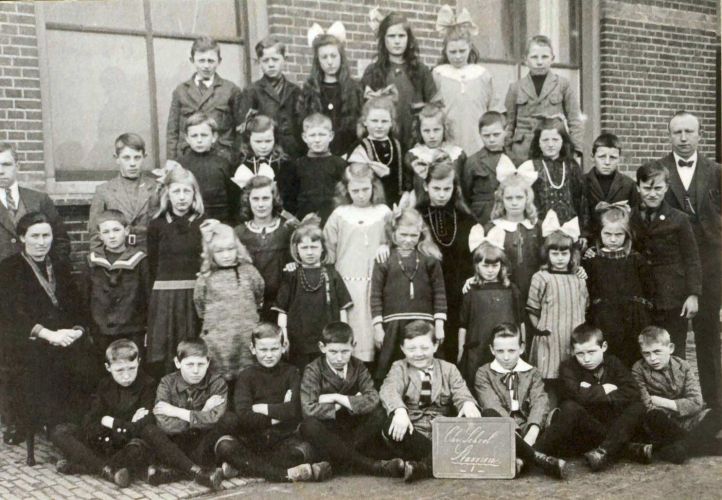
{"points": [[521, 366]]}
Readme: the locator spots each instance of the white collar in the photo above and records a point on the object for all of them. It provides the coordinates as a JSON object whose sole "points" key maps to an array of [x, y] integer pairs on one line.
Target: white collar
{"points": [[466, 72], [510, 226], [207, 83], [521, 366], [267, 229], [692, 158]]}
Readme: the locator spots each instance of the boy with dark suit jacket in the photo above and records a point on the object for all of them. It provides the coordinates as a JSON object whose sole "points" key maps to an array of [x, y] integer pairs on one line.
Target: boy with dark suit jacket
{"points": [[694, 188], [664, 237]]}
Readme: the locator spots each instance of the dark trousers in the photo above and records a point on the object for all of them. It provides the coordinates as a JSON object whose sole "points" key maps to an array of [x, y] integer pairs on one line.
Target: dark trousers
{"points": [[183, 451], [413, 446], [663, 430], [578, 429], [523, 449], [707, 327], [68, 438], [351, 441]]}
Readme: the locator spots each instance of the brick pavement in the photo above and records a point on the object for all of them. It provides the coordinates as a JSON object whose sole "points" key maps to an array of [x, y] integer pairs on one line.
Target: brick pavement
{"points": [[41, 482]]}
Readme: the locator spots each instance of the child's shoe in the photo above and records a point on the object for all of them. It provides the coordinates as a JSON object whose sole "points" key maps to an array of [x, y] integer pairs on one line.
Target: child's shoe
{"points": [[121, 477], [518, 467], [229, 472], [321, 471], [551, 466], [158, 474], [389, 468], [674, 453], [640, 452], [299, 473], [597, 459], [413, 471], [63, 466], [210, 477]]}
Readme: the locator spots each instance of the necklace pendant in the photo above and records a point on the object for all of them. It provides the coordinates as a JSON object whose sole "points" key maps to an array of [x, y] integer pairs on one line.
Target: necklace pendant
{"points": [[411, 290]]}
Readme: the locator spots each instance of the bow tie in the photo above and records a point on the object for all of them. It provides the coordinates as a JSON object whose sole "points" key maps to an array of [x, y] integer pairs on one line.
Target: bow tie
{"points": [[683, 163]]}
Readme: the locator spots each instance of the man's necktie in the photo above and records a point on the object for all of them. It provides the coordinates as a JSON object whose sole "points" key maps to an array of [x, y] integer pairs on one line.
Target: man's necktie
{"points": [[12, 205], [425, 396]]}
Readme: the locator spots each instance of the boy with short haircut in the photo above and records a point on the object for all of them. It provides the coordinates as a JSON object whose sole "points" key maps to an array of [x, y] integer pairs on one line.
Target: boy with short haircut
{"points": [[341, 413], [108, 443], [267, 406], [479, 176], [600, 408], [664, 237], [212, 171], [132, 192], [119, 283], [605, 183], [311, 180], [675, 418], [205, 91], [416, 390], [274, 95], [511, 387], [540, 94]]}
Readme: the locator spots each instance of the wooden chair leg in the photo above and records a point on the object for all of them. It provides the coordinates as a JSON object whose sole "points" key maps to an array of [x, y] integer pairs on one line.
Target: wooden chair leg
{"points": [[30, 445]]}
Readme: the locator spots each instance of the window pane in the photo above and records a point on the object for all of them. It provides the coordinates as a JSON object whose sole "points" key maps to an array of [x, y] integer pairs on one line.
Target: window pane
{"points": [[95, 98], [557, 19], [198, 17], [172, 67], [493, 17], [97, 13]]}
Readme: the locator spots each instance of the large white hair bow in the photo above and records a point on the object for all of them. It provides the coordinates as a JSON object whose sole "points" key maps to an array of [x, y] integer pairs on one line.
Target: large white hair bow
{"points": [[495, 237], [337, 29], [244, 174], [359, 155], [505, 169], [446, 20], [551, 225], [375, 18]]}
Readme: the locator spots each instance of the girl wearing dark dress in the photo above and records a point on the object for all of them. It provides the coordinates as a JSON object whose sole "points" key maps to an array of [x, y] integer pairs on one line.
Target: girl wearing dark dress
{"points": [[310, 296], [492, 299], [618, 285], [329, 89], [450, 223], [48, 368], [397, 63], [174, 258], [266, 233]]}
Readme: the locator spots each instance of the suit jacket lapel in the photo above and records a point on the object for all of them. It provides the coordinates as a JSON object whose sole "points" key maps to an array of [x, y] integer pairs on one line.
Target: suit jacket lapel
{"points": [[550, 83], [436, 380], [6, 219], [675, 183], [594, 187], [527, 86], [268, 89], [217, 82], [700, 181], [194, 92]]}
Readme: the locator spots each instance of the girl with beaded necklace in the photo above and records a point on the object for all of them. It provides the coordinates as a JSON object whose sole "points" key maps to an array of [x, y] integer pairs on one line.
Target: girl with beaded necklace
{"points": [[380, 149], [408, 286], [450, 223], [353, 234], [311, 295], [560, 182]]}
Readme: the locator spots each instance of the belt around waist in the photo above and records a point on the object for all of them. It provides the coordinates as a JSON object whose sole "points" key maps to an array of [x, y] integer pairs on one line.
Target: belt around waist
{"points": [[174, 285]]}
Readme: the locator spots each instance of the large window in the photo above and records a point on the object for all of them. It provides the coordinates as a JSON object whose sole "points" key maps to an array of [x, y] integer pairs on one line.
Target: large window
{"points": [[504, 26], [110, 66]]}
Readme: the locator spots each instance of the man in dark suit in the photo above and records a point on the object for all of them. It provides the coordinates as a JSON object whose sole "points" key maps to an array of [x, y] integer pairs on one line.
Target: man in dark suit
{"points": [[694, 188], [16, 201]]}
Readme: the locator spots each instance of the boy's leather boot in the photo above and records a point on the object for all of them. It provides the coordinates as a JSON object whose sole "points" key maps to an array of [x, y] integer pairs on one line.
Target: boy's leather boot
{"points": [[551, 466]]}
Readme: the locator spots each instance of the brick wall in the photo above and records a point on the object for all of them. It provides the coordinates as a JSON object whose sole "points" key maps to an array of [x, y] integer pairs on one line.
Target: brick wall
{"points": [[291, 19], [657, 57]]}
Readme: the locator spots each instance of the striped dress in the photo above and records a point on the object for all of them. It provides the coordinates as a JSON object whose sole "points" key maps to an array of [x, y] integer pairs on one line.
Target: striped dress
{"points": [[559, 299]]}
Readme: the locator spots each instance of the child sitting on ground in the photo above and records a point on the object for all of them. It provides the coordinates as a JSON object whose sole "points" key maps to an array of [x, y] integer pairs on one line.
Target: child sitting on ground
{"points": [[511, 387], [675, 418], [406, 395]]}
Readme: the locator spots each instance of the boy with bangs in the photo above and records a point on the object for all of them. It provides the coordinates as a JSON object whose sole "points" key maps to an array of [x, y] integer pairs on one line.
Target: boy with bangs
{"points": [[675, 416], [108, 443]]}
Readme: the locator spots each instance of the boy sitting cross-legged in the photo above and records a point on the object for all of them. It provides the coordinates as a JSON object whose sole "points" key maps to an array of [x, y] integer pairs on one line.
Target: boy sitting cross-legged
{"points": [[268, 411], [511, 387], [416, 390], [600, 408], [675, 417], [341, 412], [107, 444]]}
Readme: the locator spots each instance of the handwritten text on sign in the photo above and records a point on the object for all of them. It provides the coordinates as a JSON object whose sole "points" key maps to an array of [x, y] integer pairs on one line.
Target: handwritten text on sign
{"points": [[474, 448]]}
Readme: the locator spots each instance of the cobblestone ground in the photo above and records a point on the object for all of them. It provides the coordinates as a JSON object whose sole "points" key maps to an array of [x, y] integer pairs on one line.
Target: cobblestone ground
{"points": [[18, 481]]}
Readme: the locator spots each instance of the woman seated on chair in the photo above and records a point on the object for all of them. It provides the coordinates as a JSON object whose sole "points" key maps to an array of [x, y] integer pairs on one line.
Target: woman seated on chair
{"points": [[48, 367]]}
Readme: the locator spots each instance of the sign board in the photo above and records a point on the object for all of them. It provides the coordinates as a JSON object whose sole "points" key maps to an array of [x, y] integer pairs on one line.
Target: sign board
{"points": [[474, 448]]}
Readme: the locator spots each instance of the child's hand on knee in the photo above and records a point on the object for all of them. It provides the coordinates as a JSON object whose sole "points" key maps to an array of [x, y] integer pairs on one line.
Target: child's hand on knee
{"points": [[400, 424], [469, 410]]}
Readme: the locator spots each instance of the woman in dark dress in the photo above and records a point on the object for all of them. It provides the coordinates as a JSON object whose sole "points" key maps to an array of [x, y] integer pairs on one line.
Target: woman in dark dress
{"points": [[45, 352], [450, 223]]}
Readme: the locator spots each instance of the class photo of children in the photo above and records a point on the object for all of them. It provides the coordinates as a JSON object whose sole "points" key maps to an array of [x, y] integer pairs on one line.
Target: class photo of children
{"points": [[272, 248]]}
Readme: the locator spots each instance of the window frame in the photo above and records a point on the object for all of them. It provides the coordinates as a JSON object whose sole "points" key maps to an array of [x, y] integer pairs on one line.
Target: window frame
{"points": [[86, 189]]}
